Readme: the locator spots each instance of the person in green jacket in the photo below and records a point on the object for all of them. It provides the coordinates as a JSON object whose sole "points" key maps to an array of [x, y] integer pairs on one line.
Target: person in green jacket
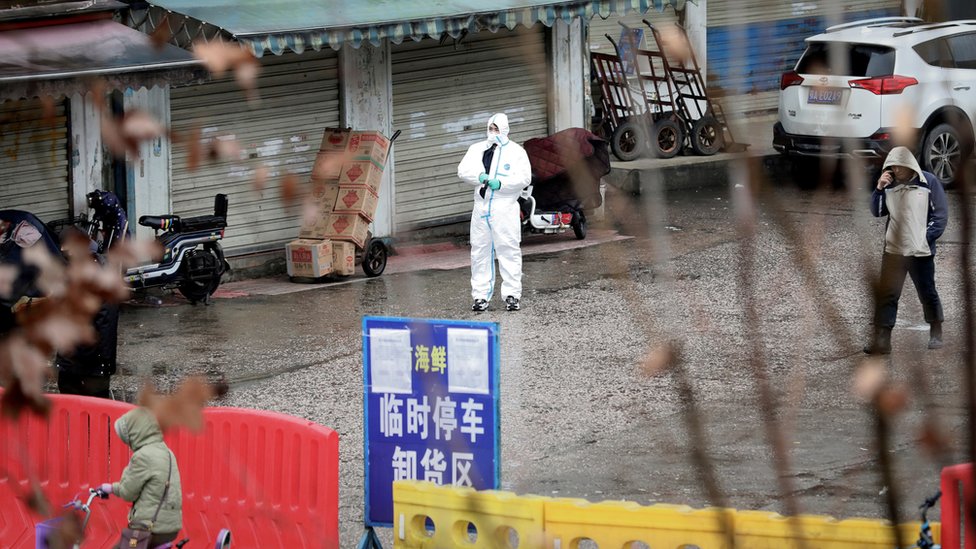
{"points": [[144, 479]]}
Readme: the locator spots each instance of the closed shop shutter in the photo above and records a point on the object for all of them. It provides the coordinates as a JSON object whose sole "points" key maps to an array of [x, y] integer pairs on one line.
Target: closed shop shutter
{"points": [[299, 97], [34, 159], [751, 44], [599, 28], [443, 96]]}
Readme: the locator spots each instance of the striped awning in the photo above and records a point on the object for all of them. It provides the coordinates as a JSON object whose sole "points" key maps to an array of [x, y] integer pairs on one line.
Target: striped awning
{"points": [[297, 25], [61, 59]]}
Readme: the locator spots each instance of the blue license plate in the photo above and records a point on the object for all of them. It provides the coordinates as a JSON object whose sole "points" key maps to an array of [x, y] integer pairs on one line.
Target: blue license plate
{"points": [[825, 96]]}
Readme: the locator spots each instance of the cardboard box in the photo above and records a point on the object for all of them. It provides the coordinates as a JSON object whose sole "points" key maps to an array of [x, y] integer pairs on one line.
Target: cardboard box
{"points": [[316, 210], [328, 165], [356, 199], [324, 194], [343, 258], [315, 228], [309, 257], [368, 146], [335, 140], [340, 146], [361, 172], [348, 227]]}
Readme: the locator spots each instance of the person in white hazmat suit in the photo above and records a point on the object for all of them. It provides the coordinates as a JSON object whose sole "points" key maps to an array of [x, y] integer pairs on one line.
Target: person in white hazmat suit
{"points": [[499, 169]]}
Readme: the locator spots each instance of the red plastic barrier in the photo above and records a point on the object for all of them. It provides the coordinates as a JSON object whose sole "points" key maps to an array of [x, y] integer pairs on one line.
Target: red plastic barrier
{"points": [[75, 449], [272, 479], [957, 492]]}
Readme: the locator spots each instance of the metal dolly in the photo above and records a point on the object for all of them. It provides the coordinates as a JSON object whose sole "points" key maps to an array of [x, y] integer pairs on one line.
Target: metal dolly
{"points": [[704, 118]]}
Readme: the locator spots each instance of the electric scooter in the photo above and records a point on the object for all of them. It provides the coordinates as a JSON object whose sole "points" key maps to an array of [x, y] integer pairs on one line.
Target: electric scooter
{"points": [[550, 222], [46, 530], [192, 261], [566, 170]]}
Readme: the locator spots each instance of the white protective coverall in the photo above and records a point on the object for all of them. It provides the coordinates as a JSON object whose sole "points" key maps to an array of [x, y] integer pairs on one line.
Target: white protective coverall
{"points": [[495, 222]]}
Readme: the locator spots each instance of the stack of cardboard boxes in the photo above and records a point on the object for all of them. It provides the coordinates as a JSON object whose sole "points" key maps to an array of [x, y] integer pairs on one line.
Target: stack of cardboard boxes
{"points": [[345, 190]]}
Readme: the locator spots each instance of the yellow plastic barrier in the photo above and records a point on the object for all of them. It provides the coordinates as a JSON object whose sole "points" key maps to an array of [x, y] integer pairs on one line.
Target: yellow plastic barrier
{"points": [[614, 524], [764, 530], [466, 518], [497, 517]]}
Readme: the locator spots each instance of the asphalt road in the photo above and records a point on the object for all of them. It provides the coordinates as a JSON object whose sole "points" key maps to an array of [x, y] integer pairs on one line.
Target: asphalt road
{"points": [[580, 418]]}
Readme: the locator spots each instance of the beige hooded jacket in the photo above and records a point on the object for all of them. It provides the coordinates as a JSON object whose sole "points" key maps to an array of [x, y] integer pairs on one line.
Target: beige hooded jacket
{"points": [[908, 209]]}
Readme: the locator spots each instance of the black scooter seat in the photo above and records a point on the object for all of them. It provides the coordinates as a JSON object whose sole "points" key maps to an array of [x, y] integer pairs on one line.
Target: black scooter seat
{"points": [[203, 223], [161, 222]]}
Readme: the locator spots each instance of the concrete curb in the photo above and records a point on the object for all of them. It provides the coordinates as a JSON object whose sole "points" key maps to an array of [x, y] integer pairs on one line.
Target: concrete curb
{"points": [[419, 248], [635, 177]]}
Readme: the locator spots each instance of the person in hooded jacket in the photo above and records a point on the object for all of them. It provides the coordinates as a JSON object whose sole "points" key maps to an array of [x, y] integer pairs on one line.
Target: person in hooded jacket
{"points": [[499, 168], [144, 480], [108, 208], [88, 369], [915, 204]]}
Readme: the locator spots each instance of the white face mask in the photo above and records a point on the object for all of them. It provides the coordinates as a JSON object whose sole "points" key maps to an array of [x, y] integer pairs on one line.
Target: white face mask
{"points": [[497, 138]]}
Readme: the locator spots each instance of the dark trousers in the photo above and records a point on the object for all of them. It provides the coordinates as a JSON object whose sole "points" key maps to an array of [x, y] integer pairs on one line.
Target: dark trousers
{"points": [[893, 271], [70, 383], [159, 539]]}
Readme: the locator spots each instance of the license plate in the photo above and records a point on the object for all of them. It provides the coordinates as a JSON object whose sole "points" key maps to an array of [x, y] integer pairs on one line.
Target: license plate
{"points": [[825, 96]]}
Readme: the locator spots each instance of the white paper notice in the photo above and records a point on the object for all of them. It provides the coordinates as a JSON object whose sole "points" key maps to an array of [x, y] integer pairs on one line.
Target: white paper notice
{"points": [[391, 360], [467, 361]]}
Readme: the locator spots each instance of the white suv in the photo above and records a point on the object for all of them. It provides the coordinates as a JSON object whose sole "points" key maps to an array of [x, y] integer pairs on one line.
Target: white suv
{"points": [[859, 84]]}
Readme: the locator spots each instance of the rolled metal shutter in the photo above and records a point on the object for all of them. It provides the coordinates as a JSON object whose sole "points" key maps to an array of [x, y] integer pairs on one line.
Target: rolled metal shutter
{"points": [[599, 28], [751, 44], [443, 96], [34, 159], [299, 97]]}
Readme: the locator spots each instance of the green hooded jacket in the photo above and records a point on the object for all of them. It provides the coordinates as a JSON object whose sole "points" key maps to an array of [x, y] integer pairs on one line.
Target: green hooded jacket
{"points": [[144, 478]]}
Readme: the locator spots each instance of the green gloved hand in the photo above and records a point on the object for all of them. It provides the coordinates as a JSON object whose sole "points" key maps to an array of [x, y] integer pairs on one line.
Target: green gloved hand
{"points": [[483, 177], [494, 184]]}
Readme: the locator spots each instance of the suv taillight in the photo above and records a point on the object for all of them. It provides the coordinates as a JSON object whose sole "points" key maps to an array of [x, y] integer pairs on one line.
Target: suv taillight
{"points": [[790, 79], [884, 85]]}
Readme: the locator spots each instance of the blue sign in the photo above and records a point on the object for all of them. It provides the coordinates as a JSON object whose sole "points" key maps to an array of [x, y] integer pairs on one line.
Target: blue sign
{"points": [[430, 407], [630, 41]]}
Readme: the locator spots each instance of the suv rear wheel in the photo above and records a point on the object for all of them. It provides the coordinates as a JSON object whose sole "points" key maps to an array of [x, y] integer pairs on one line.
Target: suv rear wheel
{"points": [[942, 153]]}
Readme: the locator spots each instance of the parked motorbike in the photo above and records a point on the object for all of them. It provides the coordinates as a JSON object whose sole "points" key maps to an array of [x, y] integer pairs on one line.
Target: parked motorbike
{"points": [[193, 260], [550, 222], [566, 171]]}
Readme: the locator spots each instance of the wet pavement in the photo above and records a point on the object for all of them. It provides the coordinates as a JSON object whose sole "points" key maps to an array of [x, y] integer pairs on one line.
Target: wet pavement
{"points": [[579, 418]]}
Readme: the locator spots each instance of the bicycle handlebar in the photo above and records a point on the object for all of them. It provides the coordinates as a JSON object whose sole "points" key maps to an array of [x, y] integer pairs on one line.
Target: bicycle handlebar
{"points": [[925, 538], [929, 503], [85, 506]]}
